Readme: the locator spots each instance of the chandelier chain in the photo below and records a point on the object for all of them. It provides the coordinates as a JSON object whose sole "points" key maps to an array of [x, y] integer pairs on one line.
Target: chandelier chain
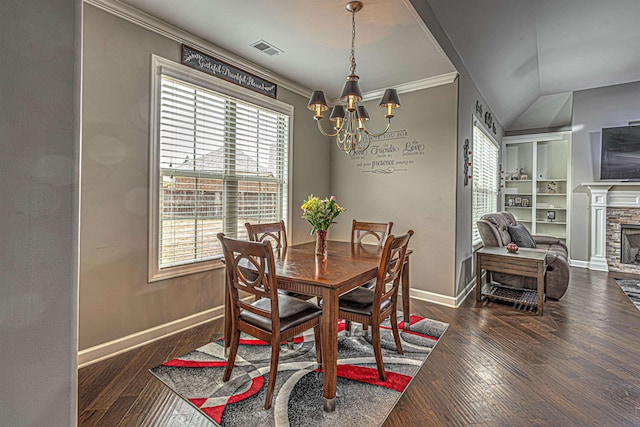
{"points": [[352, 57], [349, 129]]}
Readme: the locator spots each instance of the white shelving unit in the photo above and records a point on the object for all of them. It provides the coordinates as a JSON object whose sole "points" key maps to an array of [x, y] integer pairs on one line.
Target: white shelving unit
{"points": [[536, 181]]}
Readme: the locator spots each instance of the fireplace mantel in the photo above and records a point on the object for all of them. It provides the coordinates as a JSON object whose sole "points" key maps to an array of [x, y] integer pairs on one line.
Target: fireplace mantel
{"points": [[602, 196]]}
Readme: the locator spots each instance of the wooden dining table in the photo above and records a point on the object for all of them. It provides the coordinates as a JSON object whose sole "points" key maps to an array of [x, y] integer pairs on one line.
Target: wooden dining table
{"points": [[345, 267]]}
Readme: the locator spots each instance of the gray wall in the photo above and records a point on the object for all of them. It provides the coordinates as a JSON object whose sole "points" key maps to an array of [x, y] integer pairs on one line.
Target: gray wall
{"points": [[592, 110], [115, 298], [310, 171], [467, 97], [39, 146], [421, 197]]}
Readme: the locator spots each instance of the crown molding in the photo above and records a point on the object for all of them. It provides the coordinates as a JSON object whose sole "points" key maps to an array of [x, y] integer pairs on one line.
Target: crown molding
{"points": [[158, 26], [434, 81]]}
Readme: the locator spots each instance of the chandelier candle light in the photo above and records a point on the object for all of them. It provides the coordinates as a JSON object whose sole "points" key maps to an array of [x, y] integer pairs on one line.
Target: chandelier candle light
{"points": [[351, 134]]}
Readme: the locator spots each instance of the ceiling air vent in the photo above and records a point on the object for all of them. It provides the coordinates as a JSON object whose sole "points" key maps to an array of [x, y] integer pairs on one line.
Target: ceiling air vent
{"points": [[267, 48]]}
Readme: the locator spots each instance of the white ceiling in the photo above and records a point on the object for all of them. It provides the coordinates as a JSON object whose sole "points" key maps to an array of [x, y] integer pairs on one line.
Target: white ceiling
{"points": [[393, 46], [520, 50], [515, 50]]}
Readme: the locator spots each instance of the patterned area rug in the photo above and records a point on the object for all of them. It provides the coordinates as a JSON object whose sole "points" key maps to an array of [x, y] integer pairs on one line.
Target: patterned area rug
{"points": [[631, 287], [362, 399]]}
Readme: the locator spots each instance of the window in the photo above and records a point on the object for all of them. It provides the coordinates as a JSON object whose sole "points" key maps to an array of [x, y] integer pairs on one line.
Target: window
{"points": [[485, 178], [219, 160]]}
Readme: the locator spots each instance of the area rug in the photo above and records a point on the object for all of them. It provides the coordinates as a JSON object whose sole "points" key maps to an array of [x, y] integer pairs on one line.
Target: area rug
{"points": [[362, 399], [631, 287]]}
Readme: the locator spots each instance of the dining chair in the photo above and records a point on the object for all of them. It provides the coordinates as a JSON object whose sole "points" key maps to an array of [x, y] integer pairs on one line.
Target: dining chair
{"points": [[274, 231], [359, 231], [277, 233], [372, 306], [273, 317], [379, 230]]}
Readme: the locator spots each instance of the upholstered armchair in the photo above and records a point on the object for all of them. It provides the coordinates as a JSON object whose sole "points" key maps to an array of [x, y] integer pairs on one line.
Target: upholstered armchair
{"points": [[494, 231]]}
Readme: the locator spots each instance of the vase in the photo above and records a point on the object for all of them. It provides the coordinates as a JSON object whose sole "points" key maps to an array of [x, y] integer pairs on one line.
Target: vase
{"points": [[321, 242]]}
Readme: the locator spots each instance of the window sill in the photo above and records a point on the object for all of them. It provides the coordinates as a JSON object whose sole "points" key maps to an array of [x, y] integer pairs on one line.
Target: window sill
{"points": [[184, 270]]}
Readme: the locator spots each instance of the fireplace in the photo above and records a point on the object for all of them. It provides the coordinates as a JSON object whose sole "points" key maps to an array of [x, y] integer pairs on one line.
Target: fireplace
{"points": [[614, 206], [623, 239], [630, 243]]}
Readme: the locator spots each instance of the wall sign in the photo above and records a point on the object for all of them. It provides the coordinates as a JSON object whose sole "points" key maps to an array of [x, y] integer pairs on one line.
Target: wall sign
{"points": [[467, 161], [205, 63], [488, 117], [390, 153]]}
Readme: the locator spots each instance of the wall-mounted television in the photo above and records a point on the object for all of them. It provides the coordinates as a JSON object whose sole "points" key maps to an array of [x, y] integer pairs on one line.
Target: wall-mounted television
{"points": [[620, 158]]}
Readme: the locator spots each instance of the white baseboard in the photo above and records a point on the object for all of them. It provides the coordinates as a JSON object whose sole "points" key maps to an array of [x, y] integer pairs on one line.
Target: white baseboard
{"points": [[112, 348], [579, 263], [445, 300], [599, 264], [109, 349], [471, 286], [433, 297]]}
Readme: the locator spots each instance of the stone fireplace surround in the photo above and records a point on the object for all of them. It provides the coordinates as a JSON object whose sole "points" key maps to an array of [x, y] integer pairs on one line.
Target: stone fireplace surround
{"points": [[610, 208], [615, 218]]}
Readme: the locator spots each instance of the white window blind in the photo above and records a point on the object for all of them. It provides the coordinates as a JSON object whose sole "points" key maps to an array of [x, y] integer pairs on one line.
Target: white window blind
{"points": [[485, 179], [222, 162]]}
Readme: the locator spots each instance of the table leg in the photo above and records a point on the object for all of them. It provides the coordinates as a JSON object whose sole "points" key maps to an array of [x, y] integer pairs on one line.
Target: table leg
{"points": [[406, 312], [329, 347], [540, 307], [478, 279]]}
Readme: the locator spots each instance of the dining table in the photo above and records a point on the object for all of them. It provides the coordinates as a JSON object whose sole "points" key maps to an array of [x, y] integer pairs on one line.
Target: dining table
{"points": [[345, 267]]}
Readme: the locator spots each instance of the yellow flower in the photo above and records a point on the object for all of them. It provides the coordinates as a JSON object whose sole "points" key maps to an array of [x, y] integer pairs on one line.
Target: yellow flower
{"points": [[320, 213]]}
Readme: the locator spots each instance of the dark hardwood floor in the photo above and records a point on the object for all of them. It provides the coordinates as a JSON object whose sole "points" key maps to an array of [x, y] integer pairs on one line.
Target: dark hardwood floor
{"points": [[578, 365]]}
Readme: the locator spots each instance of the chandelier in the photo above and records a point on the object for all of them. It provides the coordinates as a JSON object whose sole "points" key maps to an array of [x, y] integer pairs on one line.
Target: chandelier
{"points": [[349, 128]]}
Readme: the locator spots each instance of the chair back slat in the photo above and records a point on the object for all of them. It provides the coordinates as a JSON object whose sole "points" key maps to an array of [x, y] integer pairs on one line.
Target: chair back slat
{"points": [[250, 268], [390, 267], [379, 230], [274, 231]]}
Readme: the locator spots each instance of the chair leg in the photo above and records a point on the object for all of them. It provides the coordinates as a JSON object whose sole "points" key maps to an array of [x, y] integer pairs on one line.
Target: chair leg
{"points": [[347, 328], [396, 333], [275, 354], [318, 338], [235, 342], [377, 350]]}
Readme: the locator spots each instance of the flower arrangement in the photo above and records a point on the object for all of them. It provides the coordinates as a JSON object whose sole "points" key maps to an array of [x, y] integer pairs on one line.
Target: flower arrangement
{"points": [[321, 213]]}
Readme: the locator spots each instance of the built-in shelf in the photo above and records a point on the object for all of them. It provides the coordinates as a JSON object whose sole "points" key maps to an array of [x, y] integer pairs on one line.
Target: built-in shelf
{"points": [[543, 158]]}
